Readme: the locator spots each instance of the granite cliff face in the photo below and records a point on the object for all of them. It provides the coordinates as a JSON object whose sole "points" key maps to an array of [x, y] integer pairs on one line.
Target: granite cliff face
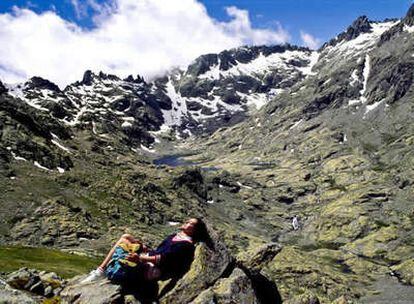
{"points": [[324, 136]]}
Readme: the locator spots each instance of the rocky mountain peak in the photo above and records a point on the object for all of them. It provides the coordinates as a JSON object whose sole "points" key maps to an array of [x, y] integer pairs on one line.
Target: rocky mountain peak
{"points": [[215, 90], [2, 88], [89, 77], [409, 18], [138, 80], [41, 83], [406, 23], [359, 26], [227, 59]]}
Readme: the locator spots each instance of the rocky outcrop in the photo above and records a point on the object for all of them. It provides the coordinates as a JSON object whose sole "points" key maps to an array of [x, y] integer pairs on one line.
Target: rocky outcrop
{"points": [[213, 276], [28, 134], [407, 21], [41, 83], [409, 18], [9, 295], [2, 88], [35, 122], [99, 292], [41, 283], [405, 272], [193, 180], [208, 266], [359, 26], [237, 288]]}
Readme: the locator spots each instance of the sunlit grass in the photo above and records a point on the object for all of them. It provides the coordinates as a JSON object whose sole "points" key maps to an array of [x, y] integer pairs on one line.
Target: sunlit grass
{"points": [[64, 264]]}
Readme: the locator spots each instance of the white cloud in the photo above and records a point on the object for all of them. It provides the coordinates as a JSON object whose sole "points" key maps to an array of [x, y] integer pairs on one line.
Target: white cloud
{"points": [[240, 27], [309, 40], [145, 37]]}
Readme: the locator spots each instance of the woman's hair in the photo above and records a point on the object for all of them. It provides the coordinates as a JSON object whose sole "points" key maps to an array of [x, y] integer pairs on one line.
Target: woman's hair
{"points": [[200, 231]]}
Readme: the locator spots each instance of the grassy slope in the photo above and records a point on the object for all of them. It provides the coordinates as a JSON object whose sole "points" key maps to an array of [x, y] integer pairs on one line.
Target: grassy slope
{"points": [[64, 264]]}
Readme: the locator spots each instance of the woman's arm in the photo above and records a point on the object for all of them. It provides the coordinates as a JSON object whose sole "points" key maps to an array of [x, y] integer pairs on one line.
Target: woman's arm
{"points": [[133, 257], [146, 258]]}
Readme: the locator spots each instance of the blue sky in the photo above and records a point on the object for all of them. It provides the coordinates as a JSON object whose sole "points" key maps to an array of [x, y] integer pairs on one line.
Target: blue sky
{"points": [[60, 39], [323, 19]]}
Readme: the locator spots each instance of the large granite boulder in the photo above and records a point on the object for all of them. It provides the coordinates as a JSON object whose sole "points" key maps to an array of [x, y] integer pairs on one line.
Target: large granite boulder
{"points": [[235, 289], [98, 292], [210, 263], [44, 284], [9, 295]]}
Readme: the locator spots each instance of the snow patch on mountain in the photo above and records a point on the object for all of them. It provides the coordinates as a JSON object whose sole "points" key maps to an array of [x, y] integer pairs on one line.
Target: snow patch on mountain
{"points": [[409, 29], [307, 70], [17, 91], [354, 78], [40, 166], [60, 146], [365, 73], [372, 107], [174, 116], [263, 63]]}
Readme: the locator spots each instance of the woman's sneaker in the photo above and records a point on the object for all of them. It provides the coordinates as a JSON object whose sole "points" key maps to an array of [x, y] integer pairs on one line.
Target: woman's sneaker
{"points": [[94, 275]]}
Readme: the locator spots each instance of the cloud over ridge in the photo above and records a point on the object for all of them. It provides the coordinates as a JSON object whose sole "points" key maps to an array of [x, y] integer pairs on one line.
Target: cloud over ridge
{"points": [[309, 40], [145, 37]]}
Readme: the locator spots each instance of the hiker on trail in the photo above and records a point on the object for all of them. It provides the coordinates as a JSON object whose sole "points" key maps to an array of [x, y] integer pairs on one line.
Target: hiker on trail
{"points": [[295, 223], [130, 258]]}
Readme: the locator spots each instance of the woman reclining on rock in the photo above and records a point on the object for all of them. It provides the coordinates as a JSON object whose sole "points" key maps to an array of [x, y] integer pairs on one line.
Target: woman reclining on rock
{"points": [[130, 259]]}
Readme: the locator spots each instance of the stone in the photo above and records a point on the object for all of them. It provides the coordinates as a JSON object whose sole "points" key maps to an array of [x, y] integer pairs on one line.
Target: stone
{"points": [[23, 278], [131, 299], [405, 271], [237, 288], [98, 292], [39, 283], [37, 288], [341, 300], [48, 292], [210, 264], [9, 295], [192, 179], [306, 298], [256, 258], [88, 77]]}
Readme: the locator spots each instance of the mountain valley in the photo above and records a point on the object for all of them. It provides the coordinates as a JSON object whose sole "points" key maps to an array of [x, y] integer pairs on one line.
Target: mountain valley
{"points": [[248, 139]]}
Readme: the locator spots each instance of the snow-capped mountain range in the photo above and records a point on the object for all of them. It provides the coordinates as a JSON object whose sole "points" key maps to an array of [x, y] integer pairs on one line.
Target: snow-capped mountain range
{"points": [[214, 91]]}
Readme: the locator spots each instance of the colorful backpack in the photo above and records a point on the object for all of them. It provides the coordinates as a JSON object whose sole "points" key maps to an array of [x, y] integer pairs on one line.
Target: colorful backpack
{"points": [[119, 267]]}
